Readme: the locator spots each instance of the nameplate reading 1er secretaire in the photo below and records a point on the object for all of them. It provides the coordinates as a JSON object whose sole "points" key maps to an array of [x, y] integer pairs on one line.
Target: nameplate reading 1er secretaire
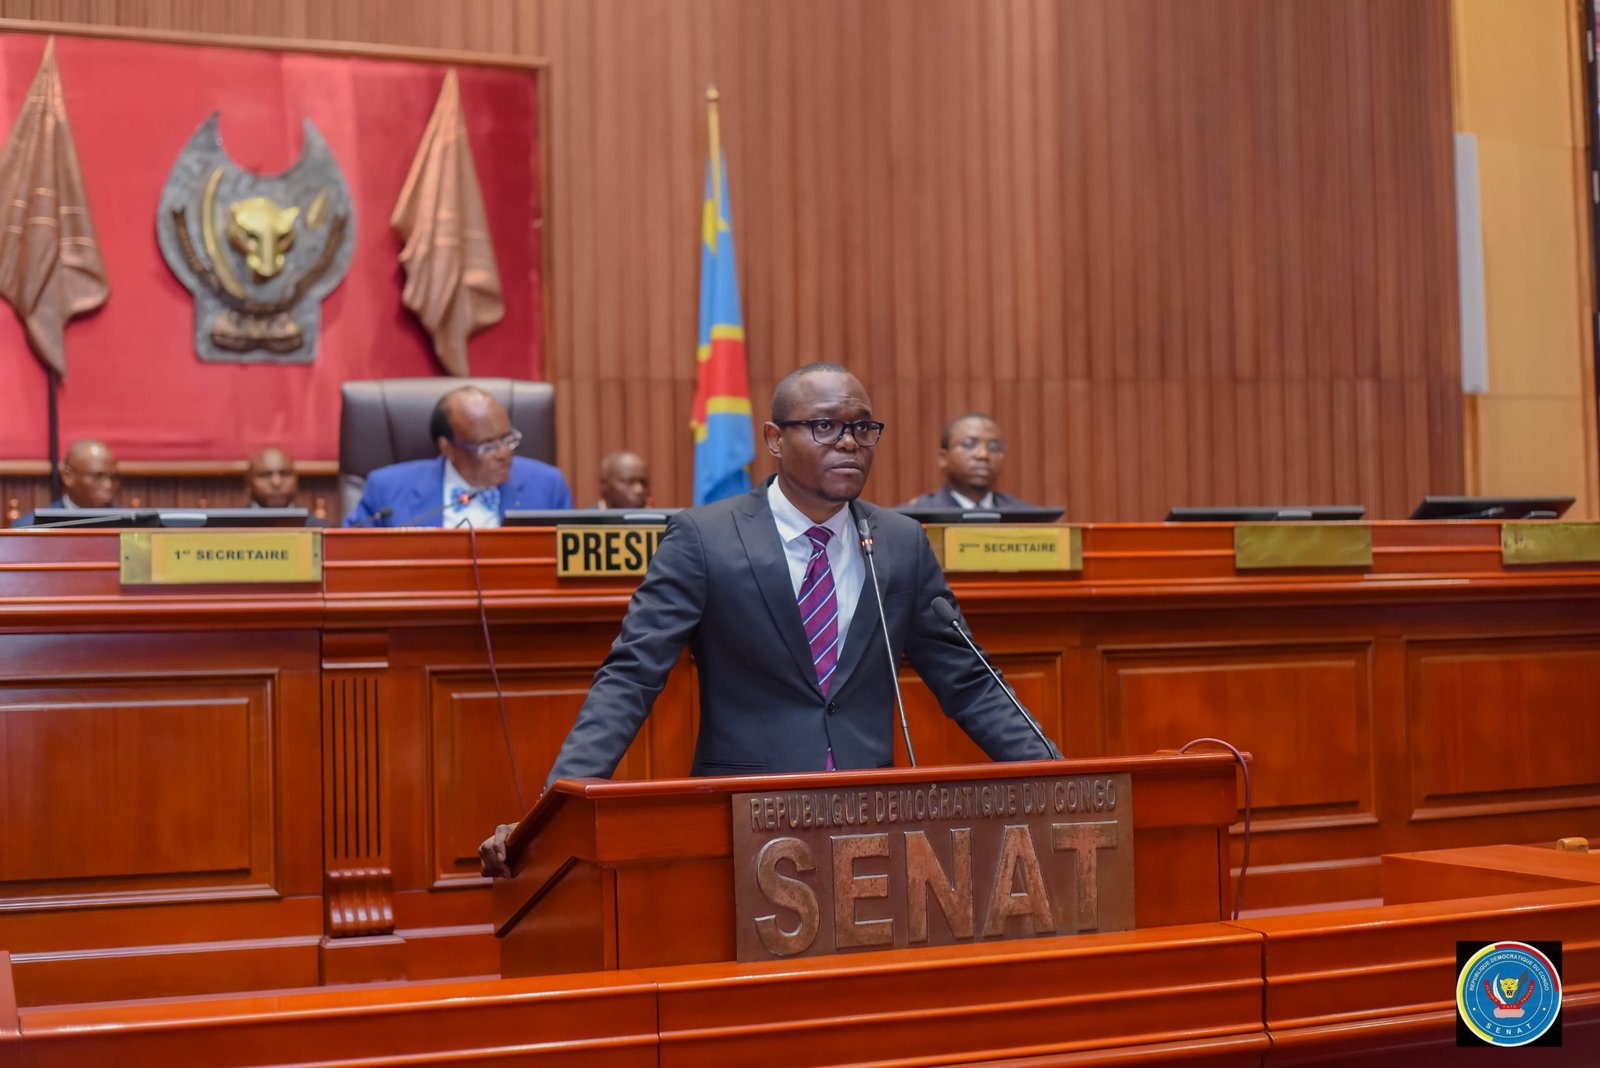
{"points": [[205, 557]]}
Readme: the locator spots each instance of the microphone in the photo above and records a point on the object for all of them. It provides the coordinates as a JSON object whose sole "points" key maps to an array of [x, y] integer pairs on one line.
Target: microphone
{"points": [[462, 500], [864, 529], [947, 614]]}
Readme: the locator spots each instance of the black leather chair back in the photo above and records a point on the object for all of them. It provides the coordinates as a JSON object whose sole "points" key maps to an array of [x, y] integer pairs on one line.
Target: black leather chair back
{"points": [[386, 422]]}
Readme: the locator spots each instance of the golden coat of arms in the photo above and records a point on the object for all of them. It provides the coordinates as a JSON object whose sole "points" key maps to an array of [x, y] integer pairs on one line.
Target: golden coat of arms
{"points": [[258, 251]]}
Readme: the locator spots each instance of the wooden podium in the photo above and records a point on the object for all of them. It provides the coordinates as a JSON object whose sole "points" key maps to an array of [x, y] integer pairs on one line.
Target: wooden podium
{"points": [[618, 875]]}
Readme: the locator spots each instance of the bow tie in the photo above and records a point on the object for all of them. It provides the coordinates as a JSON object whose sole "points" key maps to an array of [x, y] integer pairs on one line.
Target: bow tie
{"points": [[489, 498]]}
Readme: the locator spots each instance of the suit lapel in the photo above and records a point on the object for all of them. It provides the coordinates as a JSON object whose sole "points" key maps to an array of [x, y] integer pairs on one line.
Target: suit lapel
{"points": [[864, 623], [428, 496], [770, 568]]}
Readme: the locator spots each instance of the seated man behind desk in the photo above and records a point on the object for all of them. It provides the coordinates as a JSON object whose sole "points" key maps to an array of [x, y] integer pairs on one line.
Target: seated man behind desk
{"points": [[89, 479], [770, 592], [271, 482], [624, 481], [971, 454], [474, 480]]}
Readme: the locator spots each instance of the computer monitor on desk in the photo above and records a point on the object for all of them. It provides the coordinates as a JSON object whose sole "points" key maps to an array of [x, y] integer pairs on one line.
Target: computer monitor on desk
{"points": [[1271, 513], [1492, 507], [556, 517], [180, 518], [931, 516]]}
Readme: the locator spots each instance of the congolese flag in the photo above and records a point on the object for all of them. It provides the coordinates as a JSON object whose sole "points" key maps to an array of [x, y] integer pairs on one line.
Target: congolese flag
{"points": [[724, 437]]}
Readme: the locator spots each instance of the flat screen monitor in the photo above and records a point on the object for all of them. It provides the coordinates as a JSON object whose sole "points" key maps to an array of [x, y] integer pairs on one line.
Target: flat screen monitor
{"points": [[1492, 507], [930, 516], [58, 518], [1270, 513], [550, 517]]}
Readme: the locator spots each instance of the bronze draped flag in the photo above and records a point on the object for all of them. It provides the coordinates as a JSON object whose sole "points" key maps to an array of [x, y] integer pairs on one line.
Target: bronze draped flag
{"points": [[452, 283], [50, 269]]}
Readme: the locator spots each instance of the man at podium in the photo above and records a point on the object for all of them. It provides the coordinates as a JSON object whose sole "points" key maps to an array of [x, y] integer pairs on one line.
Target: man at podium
{"points": [[773, 593]]}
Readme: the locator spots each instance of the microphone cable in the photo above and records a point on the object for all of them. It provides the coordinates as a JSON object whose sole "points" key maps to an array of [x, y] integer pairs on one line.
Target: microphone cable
{"points": [[1244, 766], [494, 669], [864, 531], [951, 617]]}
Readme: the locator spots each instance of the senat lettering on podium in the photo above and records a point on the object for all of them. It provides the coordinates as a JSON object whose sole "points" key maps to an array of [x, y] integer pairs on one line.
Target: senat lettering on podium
{"points": [[826, 871]]}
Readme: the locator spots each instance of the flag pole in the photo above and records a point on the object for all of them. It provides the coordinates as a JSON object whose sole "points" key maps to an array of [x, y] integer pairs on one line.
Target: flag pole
{"points": [[712, 97], [52, 383]]}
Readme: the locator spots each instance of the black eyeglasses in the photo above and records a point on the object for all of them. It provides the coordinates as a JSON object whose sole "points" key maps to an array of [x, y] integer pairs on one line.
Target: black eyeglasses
{"points": [[485, 449], [971, 444], [832, 431]]}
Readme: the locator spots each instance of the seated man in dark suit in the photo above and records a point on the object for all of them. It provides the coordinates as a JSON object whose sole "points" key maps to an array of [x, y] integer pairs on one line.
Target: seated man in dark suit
{"points": [[971, 454], [771, 593], [89, 479], [474, 480], [624, 481], [271, 482]]}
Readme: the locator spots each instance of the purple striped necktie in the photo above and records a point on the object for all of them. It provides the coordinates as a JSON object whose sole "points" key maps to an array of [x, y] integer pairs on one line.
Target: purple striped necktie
{"points": [[819, 613]]}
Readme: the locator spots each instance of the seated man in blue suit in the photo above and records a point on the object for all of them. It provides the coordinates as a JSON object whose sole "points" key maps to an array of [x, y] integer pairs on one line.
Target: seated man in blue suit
{"points": [[474, 480]]}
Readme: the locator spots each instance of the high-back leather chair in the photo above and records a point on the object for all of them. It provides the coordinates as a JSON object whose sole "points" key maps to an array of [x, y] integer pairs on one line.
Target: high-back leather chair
{"points": [[386, 422]]}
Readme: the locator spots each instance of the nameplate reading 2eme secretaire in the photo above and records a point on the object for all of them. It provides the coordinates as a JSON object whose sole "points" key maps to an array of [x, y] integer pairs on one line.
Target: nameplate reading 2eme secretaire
{"points": [[200, 557], [822, 871], [1007, 547]]}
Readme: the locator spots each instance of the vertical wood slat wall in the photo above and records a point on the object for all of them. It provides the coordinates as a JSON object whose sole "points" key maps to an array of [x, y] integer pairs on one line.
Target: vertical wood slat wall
{"points": [[1187, 251]]}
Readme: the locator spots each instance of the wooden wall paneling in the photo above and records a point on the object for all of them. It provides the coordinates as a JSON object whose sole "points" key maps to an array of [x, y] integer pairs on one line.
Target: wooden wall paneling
{"points": [[192, 756], [1374, 986], [1470, 712], [721, 1014], [1439, 638], [358, 704], [1236, 216], [1444, 874], [1281, 704], [1036, 677], [472, 784], [10, 1026], [106, 756], [605, 1020], [175, 969], [122, 719]]}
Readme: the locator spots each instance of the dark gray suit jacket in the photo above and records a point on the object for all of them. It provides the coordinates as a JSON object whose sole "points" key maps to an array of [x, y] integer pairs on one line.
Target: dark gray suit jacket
{"points": [[720, 583]]}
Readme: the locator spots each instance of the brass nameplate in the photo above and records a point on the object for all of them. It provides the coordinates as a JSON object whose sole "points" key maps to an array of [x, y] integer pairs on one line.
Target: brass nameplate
{"points": [[1010, 547], [931, 864], [1259, 545], [204, 557], [1550, 543], [588, 551]]}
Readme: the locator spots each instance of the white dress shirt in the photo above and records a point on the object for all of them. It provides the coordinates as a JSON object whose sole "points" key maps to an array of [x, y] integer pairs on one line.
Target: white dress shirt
{"points": [[971, 505], [477, 511], [844, 553]]}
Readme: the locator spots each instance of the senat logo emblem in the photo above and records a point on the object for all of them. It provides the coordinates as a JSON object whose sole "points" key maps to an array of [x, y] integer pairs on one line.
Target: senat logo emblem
{"points": [[1508, 994]]}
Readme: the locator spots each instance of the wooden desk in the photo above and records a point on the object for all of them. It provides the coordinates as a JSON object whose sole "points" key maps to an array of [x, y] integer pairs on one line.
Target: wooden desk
{"points": [[214, 790], [1368, 986]]}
